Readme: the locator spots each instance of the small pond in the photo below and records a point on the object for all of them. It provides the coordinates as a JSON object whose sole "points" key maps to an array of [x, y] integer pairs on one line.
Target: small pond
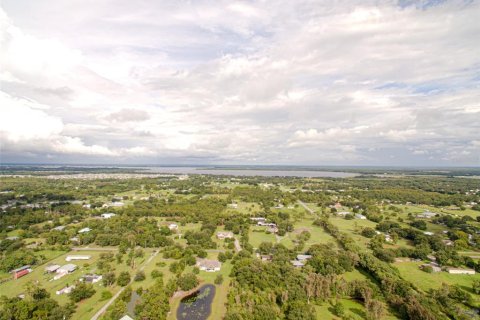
{"points": [[198, 305]]}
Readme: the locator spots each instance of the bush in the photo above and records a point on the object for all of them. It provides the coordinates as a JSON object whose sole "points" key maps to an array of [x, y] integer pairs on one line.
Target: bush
{"points": [[338, 309], [106, 295], [140, 276], [108, 279], [427, 269], [123, 279], [368, 232], [188, 281], [219, 279], [156, 273], [81, 291]]}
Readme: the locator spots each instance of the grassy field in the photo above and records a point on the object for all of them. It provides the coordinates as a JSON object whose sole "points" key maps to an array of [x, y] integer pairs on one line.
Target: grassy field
{"points": [[256, 236], [86, 308]]}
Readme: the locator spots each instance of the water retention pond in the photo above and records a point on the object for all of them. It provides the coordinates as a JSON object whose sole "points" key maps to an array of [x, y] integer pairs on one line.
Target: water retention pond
{"points": [[198, 305]]}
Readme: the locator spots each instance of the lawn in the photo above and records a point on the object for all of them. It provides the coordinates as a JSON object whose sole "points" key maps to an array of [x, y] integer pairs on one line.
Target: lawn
{"points": [[257, 235], [426, 281]]}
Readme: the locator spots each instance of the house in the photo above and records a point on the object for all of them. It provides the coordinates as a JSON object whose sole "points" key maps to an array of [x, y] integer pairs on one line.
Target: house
{"points": [[266, 257], [428, 233], [266, 224], [426, 215], [224, 234], [52, 268], [435, 267], [303, 257], [64, 270], [77, 257], [84, 230], [74, 239], [460, 271], [447, 242], [87, 206], [173, 226], [20, 272], [208, 265], [343, 213], [59, 228], [65, 290], [108, 215], [297, 264], [91, 278], [258, 219], [360, 216]]}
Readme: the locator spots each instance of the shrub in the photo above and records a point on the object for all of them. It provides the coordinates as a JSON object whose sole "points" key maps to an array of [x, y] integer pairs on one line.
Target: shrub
{"points": [[81, 291], [106, 295], [219, 279], [123, 279], [187, 281], [139, 276], [156, 273]]}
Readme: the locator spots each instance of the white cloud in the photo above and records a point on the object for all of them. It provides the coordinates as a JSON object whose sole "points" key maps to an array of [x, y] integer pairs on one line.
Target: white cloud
{"points": [[289, 82]]}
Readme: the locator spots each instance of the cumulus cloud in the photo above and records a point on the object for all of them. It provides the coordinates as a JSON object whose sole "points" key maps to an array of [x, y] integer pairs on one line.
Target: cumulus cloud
{"points": [[357, 82]]}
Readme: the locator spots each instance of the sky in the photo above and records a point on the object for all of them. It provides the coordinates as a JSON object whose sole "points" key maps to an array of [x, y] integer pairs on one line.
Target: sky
{"points": [[240, 82]]}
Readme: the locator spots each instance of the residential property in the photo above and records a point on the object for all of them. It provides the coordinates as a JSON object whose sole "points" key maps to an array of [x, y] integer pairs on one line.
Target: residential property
{"points": [[447, 242], [65, 290], [266, 257], [297, 264], [208, 265], [343, 213], [108, 215], [224, 234], [64, 270], [426, 215], [52, 268], [460, 271], [303, 257], [360, 216], [77, 257], [20, 272], [428, 233], [59, 228], [84, 230], [258, 219], [91, 278], [173, 226]]}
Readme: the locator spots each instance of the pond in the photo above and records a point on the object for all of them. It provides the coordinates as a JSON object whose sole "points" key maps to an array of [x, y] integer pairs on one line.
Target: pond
{"points": [[198, 305]]}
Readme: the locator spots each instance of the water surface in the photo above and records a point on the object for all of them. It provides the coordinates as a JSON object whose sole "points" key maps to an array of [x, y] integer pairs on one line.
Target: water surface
{"points": [[198, 305]]}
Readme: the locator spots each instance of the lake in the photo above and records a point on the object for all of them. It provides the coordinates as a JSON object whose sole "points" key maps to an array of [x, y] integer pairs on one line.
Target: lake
{"points": [[198, 305], [252, 172]]}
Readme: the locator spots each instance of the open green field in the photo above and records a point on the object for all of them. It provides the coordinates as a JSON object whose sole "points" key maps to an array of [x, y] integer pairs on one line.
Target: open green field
{"points": [[257, 235], [426, 281], [85, 308]]}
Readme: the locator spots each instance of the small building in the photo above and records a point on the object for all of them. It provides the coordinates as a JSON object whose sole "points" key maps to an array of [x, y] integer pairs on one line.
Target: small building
{"points": [[297, 264], [52, 268], [91, 278], [428, 233], [66, 269], [224, 234], [257, 219], [460, 271], [77, 257], [447, 242], [426, 215], [87, 206], [434, 266], [360, 216], [208, 265], [343, 213], [74, 239], [232, 205], [173, 226], [303, 257], [266, 257], [59, 228], [84, 230], [65, 290], [108, 215], [20, 272]]}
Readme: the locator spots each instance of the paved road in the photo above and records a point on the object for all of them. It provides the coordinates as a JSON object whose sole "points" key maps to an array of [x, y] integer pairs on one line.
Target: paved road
{"points": [[112, 300]]}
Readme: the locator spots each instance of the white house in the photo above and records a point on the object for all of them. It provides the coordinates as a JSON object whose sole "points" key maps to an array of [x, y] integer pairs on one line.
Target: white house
{"points": [[208, 265], [84, 230], [224, 234], [64, 270], [460, 271], [91, 278], [303, 257], [77, 257], [173, 226], [52, 268], [360, 216], [428, 233], [108, 215]]}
